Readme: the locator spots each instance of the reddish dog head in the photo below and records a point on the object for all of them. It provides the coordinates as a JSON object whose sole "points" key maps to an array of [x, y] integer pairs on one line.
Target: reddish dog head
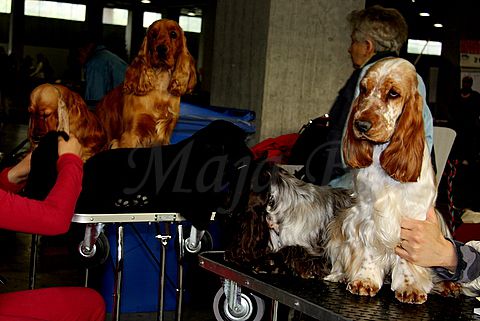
{"points": [[164, 48], [55, 107]]}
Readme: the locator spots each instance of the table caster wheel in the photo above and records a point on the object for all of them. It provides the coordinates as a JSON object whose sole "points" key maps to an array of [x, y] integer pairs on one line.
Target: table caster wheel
{"points": [[98, 254], [251, 308], [205, 244]]}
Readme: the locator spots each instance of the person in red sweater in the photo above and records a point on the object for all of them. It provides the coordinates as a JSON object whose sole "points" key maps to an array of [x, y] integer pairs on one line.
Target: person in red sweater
{"points": [[51, 216]]}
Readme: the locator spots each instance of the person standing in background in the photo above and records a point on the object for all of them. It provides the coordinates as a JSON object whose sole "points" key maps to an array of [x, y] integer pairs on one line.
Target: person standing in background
{"points": [[465, 121], [102, 69], [43, 71]]}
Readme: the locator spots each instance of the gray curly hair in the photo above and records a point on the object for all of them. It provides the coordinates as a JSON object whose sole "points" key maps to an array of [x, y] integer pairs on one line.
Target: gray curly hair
{"points": [[385, 27]]}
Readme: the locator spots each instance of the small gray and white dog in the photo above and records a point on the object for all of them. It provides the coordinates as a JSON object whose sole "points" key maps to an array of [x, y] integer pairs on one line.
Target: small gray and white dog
{"points": [[299, 212], [284, 224]]}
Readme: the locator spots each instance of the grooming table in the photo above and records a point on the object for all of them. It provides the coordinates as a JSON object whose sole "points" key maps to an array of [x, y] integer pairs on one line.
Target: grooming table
{"points": [[331, 301], [122, 218]]}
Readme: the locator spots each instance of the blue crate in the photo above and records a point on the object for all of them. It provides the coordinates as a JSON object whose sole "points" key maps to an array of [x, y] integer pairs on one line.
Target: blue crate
{"points": [[195, 117], [141, 272]]}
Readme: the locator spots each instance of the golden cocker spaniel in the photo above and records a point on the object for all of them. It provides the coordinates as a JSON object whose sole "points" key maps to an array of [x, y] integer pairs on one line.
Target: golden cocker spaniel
{"points": [[144, 110], [54, 107]]}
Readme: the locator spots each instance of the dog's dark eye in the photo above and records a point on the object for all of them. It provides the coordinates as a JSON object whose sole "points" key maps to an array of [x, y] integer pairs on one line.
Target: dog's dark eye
{"points": [[393, 94], [40, 116], [173, 34], [152, 34]]}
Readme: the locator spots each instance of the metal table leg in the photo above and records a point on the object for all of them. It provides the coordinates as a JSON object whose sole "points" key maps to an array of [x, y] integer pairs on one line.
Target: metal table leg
{"points": [[164, 242], [275, 310], [180, 258], [33, 261], [118, 275]]}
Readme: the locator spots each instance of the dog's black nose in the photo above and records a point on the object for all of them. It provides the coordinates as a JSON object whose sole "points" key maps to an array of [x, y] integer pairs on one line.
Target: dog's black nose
{"points": [[363, 126], [162, 51]]}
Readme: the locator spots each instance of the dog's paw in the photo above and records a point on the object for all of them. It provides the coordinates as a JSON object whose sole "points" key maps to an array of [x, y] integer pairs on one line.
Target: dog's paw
{"points": [[363, 287], [311, 268], [267, 266], [301, 263], [410, 294], [447, 288]]}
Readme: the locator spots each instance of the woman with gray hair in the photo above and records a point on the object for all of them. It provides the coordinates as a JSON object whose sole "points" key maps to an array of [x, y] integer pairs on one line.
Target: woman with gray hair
{"points": [[384, 29], [376, 33]]}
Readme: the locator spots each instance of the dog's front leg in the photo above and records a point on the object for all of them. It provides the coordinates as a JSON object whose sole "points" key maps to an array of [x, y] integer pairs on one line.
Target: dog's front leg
{"points": [[410, 282], [357, 267], [366, 274]]}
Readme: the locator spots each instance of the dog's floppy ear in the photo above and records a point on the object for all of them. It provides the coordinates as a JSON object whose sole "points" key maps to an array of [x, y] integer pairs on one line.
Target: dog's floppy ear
{"points": [[139, 74], [84, 124], [402, 159], [63, 114], [75, 107], [184, 77], [357, 153], [250, 232]]}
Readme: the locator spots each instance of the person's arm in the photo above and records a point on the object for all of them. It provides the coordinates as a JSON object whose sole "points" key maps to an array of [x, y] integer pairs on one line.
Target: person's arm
{"points": [[53, 215], [13, 179], [468, 264], [424, 244], [37, 69]]}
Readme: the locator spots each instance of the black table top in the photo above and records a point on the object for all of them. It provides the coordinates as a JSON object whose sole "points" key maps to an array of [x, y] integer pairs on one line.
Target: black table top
{"points": [[331, 301]]}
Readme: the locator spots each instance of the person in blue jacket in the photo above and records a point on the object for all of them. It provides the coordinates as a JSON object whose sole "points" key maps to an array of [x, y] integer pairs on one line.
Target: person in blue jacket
{"points": [[102, 69]]}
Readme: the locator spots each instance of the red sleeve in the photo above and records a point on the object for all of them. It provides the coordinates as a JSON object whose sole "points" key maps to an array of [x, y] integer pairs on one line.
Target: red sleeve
{"points": [[5, 183], [51, 216]]}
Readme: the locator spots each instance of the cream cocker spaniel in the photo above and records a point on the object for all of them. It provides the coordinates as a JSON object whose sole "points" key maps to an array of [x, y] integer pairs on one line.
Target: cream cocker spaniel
{"points": [[393, 178]]}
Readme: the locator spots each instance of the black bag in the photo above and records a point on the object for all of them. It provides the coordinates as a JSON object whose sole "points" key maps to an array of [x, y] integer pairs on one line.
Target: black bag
{"points": [[312, 135], [317, 152], [43, 167]]}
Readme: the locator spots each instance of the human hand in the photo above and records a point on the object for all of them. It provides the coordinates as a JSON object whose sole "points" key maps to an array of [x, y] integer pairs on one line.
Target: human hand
{"points": [[19, 172], [71, 146], [423, 243]]}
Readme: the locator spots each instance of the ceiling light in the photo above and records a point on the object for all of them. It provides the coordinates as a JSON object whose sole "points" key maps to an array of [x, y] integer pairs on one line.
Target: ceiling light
{"points": [[145, 1], [191, 13], [438, 25], [424, 14]]}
